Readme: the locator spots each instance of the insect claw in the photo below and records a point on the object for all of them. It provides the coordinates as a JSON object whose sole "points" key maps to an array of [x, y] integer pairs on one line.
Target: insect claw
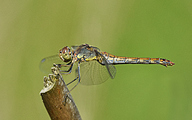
{"points": [[65, 99]]}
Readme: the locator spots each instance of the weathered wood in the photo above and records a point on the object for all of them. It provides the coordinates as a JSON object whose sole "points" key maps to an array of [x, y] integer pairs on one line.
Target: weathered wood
{"points": [[57, 99]]}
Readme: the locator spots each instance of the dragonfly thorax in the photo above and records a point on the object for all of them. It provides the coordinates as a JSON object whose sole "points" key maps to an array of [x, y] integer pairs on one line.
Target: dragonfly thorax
{"points": [[65, 54]]}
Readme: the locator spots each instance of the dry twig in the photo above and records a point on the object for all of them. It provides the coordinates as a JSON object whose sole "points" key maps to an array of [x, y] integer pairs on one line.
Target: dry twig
{"points": [[54, 98]]}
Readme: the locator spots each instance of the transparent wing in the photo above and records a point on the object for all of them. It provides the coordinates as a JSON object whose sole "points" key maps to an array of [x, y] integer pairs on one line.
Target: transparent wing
{"points": [[110, 68], [46, 63], [75, 47], [93, 72]]}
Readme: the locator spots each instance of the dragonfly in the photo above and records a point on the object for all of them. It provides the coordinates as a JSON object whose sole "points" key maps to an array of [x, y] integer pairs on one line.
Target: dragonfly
{"points": [[94, 66]]}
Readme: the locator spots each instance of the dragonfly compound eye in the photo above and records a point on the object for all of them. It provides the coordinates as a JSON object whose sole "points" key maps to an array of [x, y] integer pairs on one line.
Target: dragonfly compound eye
{"points": [[65, 54]]}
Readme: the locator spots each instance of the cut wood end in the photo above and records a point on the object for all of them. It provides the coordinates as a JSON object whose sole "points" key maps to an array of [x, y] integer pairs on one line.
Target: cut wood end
{"points": [[54, 98]]}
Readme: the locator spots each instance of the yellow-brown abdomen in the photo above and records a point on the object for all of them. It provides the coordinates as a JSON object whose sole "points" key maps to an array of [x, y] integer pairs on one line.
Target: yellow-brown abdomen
{"points": [[112, 59]]}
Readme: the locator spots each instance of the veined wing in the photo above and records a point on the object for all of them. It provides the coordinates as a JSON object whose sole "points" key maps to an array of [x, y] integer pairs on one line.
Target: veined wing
{"points": [[76, 47], [46, 63], [110, 68], [93, 72]]}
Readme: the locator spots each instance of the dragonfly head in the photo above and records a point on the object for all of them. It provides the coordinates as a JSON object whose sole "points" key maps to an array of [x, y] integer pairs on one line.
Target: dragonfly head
{"points": [[65, 54]]}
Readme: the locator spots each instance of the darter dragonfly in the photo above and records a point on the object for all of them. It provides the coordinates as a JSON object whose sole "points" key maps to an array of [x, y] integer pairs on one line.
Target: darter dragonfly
{"points": [[94, 66]]}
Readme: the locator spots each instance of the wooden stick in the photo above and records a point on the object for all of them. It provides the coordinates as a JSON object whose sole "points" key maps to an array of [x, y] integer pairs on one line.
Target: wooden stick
{"points": [[54, 95]]}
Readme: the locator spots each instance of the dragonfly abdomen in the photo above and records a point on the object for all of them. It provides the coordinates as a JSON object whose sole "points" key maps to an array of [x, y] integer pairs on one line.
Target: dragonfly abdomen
{"points": [[112, 59]]}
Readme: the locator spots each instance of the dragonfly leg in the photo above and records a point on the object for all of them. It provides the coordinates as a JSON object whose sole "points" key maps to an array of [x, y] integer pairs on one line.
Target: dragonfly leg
{"points": [[78, 77], [64, 65], [68, 71], [73, 80]]}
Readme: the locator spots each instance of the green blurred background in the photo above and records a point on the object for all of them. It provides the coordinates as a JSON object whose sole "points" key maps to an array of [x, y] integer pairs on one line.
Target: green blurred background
{"points": [[31, 30]]}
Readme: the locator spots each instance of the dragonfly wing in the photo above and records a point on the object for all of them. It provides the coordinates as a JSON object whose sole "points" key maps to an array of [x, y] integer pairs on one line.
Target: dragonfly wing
{"points": [[46, 63], [93, 73], [110, 68], [84, 46], [74, 47]]}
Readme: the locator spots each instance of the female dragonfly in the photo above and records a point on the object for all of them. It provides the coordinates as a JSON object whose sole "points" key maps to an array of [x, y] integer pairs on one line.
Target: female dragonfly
{"points": [[94, 66]]}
